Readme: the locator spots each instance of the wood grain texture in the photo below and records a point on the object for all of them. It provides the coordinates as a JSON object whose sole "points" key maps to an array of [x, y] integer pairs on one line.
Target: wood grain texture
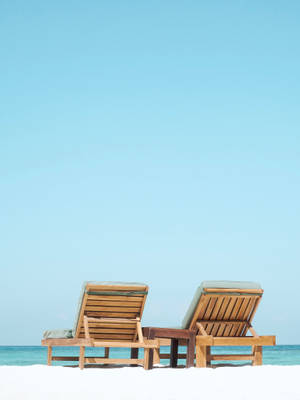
{"points": [[223, 317], [109, 319]]}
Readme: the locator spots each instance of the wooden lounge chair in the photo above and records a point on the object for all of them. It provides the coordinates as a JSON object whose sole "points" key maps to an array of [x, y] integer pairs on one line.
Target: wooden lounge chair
{"points": [[221, 313], [109, 315]]}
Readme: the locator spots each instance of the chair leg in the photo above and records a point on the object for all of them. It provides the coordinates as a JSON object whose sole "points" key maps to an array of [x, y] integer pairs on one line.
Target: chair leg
{"points": [[156, 356], [257, 353], [106, 352], [201, 356], [147, 361], [81, 357], [49, 355]]}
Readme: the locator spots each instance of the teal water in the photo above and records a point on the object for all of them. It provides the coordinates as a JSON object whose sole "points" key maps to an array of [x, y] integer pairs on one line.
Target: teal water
{"points": [[30, 355]]}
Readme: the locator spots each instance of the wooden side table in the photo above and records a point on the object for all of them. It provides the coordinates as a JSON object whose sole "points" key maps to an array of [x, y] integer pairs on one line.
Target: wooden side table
{"points": [[151, 332]]}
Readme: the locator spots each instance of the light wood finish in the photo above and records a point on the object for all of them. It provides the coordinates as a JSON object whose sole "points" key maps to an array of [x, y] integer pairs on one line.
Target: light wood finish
{"points": [[164, 342], [111, 309], [202, 305], [142, 309], [111, 337], [68, 342], [110, 314], [81, 315], [107, 303], [146, 358], [257, 355], [203, 322], [223, 290], [201, 359], [113, 320], [109, 330], [200, 326], [109, 317], [236, 357], [147, 344], [49, 355], [156, 356], [86, 327], [223, 317], [81, 357], [241, 341], [102, 360], [139, 332], [256, 304], [252, 330], [136, 299]]}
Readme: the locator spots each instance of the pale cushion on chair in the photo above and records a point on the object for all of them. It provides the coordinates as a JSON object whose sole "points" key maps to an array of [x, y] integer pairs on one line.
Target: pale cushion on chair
{"points": [[58, 334]]}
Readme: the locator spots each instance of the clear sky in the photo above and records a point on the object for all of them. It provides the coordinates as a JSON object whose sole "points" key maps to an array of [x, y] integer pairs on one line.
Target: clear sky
{"points": [[152, 141]]}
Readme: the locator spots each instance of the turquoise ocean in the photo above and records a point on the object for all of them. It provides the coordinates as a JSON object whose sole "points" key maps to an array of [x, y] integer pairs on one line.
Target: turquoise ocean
{"points": [[31, 355]]}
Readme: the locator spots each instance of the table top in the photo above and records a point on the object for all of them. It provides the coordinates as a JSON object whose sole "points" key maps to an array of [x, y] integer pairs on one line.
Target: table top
{"points": [[171, 333]]}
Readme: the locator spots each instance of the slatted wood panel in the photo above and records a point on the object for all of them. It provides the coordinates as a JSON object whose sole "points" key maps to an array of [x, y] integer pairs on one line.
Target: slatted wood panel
{"points": [[226, 314], [106, 302]]}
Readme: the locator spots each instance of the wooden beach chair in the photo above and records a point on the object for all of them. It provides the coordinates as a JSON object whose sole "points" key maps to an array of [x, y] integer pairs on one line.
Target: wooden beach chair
{"points": [[221, 313], [109, 315]]}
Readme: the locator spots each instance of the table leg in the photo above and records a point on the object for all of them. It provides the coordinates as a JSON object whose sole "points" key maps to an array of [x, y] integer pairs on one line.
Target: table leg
{"points": [[190, 351], [151, 336], [174, 353], [135, 352]]}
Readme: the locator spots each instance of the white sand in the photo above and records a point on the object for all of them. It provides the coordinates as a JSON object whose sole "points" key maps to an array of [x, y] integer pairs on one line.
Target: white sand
{"points": [[253, 383]]}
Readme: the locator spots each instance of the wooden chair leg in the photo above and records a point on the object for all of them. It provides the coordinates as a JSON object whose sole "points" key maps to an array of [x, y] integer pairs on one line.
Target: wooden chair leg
{"points": [[81, 357], [49, 355], [147, 364], [201, 356], [106, 352], [156, 356], [257, 353]]}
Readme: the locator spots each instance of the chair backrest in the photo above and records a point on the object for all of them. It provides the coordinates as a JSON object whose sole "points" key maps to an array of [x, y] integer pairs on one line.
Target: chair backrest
{"points": [[116, 308], [223, 308]]}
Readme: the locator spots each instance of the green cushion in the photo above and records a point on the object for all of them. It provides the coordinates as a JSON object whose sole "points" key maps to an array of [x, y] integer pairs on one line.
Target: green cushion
{"points": [[218, 285], [58, 334]]}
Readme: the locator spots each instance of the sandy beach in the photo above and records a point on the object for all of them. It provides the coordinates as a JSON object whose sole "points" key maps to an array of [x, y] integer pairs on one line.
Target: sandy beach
{"points": [[42, 382]]}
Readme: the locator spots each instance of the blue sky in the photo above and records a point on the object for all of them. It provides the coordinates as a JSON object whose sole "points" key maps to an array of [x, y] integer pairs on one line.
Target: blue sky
{"points": [[148, 141]]}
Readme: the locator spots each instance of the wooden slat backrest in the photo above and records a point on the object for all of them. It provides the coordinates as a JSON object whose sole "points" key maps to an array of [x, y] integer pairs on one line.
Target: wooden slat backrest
{"points": [[226, 312], [120, 307]]}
